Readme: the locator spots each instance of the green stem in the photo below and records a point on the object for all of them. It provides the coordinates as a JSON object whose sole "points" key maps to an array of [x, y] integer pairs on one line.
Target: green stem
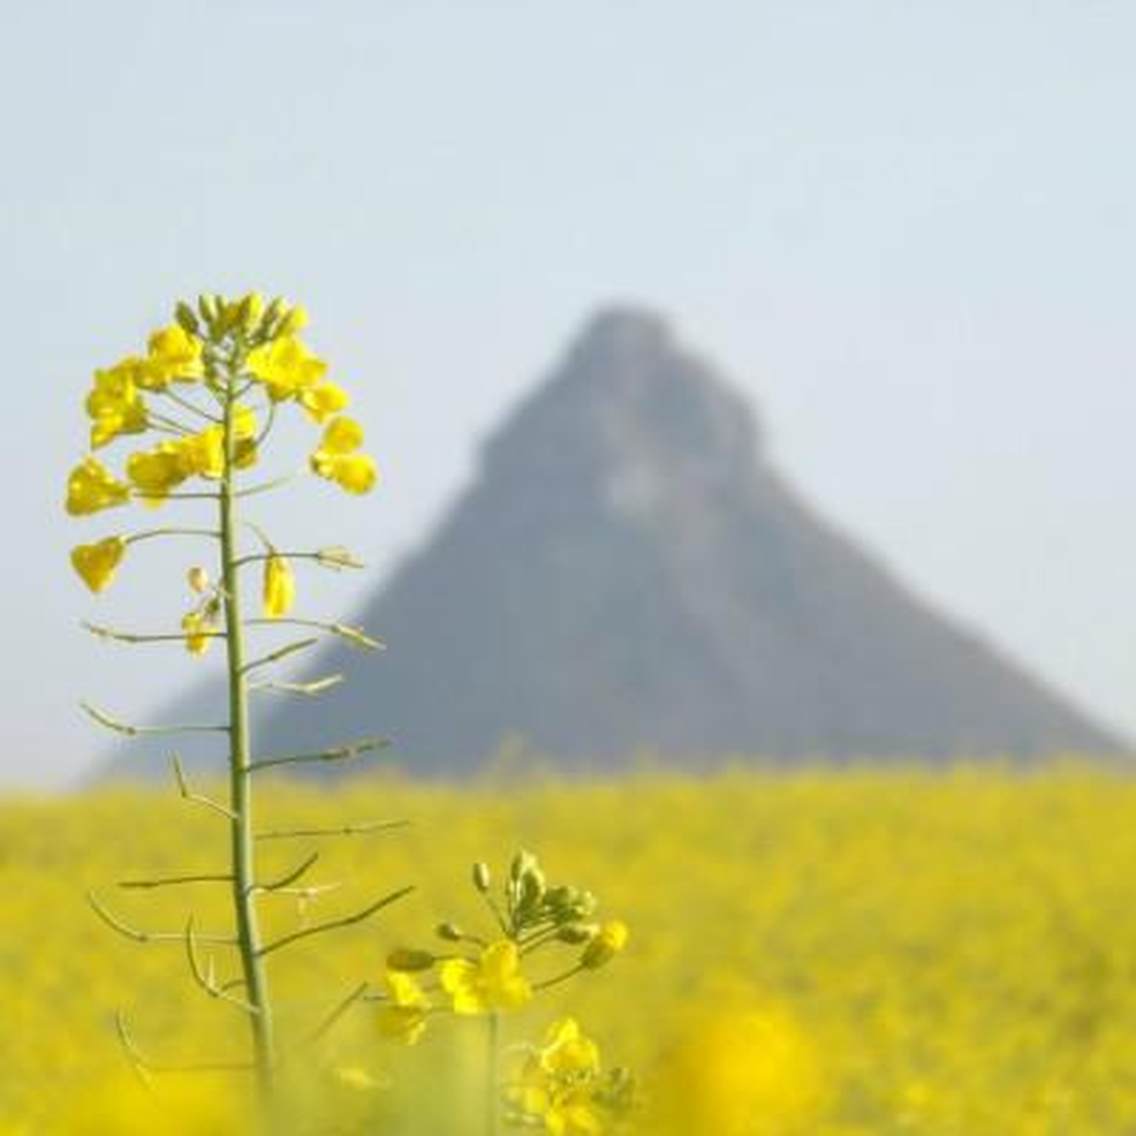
{"points": [[240, 781], [492, 1074]]}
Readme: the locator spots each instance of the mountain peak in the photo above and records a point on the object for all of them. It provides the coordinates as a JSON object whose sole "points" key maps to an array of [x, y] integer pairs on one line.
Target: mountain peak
{"points": [[629, 401]]}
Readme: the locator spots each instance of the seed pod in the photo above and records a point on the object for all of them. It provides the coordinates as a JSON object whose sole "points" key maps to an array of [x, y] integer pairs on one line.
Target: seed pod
{"points": [[296, 319], [522, 862], [185, 316], [530, 890], [253, 308], [338, 557], [408, 959], [585, 904], [482, 880], [576, 934], [450, 932], [607, 943]]}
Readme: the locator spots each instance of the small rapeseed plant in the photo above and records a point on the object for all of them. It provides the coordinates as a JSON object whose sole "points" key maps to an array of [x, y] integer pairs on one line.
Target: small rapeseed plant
{"points": [[559, 1087]]}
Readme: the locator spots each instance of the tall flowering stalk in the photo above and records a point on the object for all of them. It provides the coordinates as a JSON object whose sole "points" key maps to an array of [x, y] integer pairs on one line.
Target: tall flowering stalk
{"points": [[210, 387]]}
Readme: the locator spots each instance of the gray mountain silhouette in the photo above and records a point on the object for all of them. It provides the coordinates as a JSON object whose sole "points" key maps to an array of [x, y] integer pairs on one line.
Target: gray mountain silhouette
{"points": [[628, 571]]}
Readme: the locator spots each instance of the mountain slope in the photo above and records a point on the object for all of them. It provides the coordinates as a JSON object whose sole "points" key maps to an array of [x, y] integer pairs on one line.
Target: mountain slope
{"points": [[628, 571]]}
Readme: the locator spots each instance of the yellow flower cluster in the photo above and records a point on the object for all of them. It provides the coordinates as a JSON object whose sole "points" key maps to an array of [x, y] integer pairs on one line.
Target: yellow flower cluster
{"points": [[195, 387], [922, 952], [560, 1086], [483, 975]]}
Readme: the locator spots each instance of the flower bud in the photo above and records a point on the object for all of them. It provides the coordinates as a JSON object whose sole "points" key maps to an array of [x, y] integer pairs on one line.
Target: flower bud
{"points": [[530, 890], [584, 904], [576, 934], [450, 932], [296, 319], [198, 580], [607, 943], [250, 309], [272, 314], [228, 313], [560, 901], [185, 316], [407, 959], [336, 556], [481, 877], [207, 306], [522, 862]]}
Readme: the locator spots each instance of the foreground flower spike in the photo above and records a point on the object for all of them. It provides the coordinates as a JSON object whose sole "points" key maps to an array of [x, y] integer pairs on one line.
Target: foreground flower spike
{"points": [[199, 406]]}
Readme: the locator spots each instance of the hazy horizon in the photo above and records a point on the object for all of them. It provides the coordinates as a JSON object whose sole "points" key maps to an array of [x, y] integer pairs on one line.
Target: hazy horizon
{"points": [[904, 233]]}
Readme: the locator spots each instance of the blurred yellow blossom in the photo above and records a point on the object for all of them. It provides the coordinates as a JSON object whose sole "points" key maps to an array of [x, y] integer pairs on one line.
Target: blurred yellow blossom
{"points": [[403, 1015], [493, 982], [605, 945]]}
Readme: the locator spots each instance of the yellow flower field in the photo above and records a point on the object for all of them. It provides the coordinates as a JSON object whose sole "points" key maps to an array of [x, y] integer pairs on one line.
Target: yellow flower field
{"points": [[824, 952]]}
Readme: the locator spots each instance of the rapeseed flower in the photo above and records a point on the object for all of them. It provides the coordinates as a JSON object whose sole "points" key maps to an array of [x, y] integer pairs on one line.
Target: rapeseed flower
{"points": [[567, 1051], [559, 1085], [493, 982], [403, 1016], [323, 400], [196, 626], [286, 367], [97, 563], [154, 473], [201, 454], [115, 405], [175, 356], [91, 487], [336, 458]]}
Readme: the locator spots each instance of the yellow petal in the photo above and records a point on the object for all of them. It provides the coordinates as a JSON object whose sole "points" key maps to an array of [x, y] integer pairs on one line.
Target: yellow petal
{"points": [[357, 473], [91, 487], [97, 563], [341, 436], [279, 587]]}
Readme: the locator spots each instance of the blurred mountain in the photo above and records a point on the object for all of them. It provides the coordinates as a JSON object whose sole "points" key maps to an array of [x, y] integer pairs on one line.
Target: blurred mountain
{"points": [[629, 572]]}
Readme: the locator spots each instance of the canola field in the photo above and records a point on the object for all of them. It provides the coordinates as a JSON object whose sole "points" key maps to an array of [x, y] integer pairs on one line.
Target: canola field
{"points": [[844, 952]]}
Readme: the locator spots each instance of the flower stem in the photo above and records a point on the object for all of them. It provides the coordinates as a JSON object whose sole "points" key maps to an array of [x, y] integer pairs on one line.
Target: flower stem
{"points": [[240, 780], [492, 1074]]}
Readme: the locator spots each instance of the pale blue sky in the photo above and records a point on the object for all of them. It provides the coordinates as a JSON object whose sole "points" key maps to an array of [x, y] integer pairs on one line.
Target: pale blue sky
{"points": [[907, 229]]}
